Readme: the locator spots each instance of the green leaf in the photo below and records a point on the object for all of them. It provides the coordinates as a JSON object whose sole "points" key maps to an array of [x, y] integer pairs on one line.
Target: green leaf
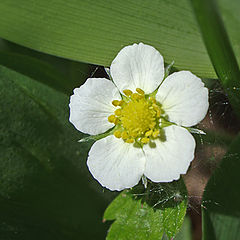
{"points": [[46, 191], [60, 74], [94, 31], [221, 210], [219, 48], [186, 230], [231, 18], [148, 213]]}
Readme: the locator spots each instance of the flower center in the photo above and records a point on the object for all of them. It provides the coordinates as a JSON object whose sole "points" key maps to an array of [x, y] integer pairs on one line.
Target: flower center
{"points": [[136, 117]]}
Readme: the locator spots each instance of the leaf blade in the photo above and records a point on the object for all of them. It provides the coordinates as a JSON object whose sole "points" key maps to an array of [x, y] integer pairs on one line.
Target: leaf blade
{"points": [[45, 187], [96, 31], [60, 74], [149, 214], [219, 48], [221, 211]]}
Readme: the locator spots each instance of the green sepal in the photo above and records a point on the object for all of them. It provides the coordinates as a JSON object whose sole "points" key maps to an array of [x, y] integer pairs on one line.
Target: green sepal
{"points": [[107, 70], [168, 69], [195, 130], [97, 137]]}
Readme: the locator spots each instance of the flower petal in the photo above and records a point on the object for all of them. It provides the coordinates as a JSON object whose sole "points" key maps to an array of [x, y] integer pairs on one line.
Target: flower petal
{"points": [[184, 98], [91, 104], [167, 159], [115, 164], [138, 66]]}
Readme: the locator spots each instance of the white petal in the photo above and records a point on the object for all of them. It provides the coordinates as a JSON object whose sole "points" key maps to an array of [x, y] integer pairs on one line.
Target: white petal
{"points": [[166, 160], [91, 104], [138, 66], [184, 98], [115, 164]]}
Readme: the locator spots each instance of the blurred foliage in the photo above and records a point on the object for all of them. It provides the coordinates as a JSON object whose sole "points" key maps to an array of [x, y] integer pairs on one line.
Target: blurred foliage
{"points": [[221, 211], [94, 31], [46, 189], [219, 49], [61, 74], [229, 12]]}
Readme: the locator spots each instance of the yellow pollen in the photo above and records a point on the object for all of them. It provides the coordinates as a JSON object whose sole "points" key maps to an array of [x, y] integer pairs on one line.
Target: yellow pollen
{"points": [[155, 133], [130, 140], [117, 134], [155, 106], [137, 119], [152, 100], [112, 118], [136, 96], [158, 112], [145, 140], [127, 92], [148, 133], [133, 134], [140, 91], [116, 121], [118, 112], [124, 135], [117, 103], [152, 125]]}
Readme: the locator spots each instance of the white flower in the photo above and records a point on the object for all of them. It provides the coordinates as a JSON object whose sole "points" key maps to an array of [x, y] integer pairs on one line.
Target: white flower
{"points": [[149, 117]]}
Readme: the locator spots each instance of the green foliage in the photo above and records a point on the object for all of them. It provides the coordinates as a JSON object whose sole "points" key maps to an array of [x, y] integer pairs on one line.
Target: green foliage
{"points": [[185, 232], [61, 74], [94, 31], [219, 48], [221, 211], [148, 213], [46, 189], [229, 11]]}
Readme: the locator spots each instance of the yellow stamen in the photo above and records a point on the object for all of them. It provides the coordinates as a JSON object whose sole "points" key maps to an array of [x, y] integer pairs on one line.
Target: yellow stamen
{"points": [[137, 117], [140, 91], [117, 103], [121, 103], [117, 134], [133, 134], [130, 140], [118, 112], [112, 118], [155, 106], [152, 125], [155, 133], [152, 100], [148, 133], [124, 135], [158, 113], [127, 92], [116, 121], [136, 96], [145, 140]]}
